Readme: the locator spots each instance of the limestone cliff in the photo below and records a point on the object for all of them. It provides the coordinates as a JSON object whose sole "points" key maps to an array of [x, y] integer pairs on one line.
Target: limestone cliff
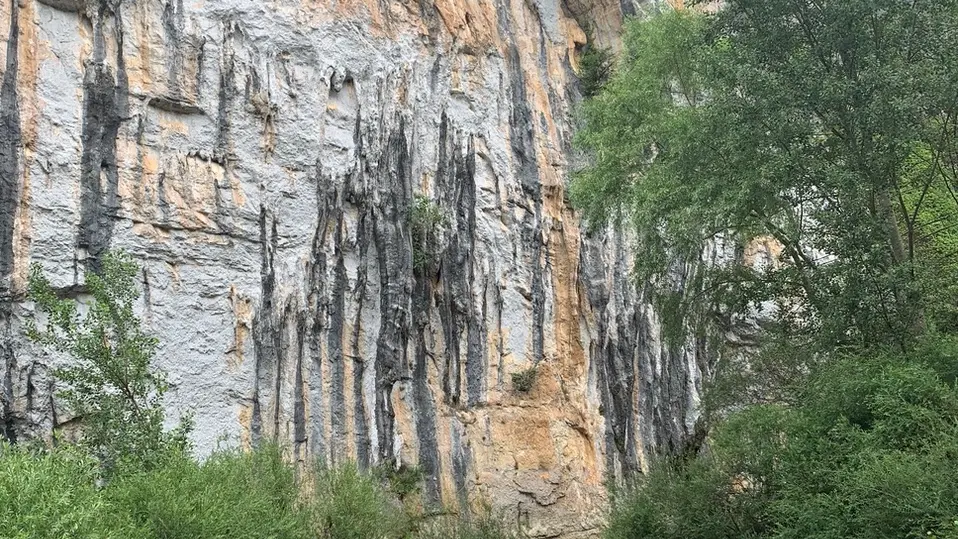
{"points": [[260, 159]]}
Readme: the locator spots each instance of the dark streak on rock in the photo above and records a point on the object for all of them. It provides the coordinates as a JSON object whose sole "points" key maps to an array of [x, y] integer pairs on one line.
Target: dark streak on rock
{"points": [[423, 401], [394, 254], [8, 362], [613, 351], [300, 436], [461, 455], [316, 304], [174, 24], [9, 152], [266, 334], [456, 184], [105, 105], [334, 344], [70, 6], [9, 195], [521, 130], [226, 92], [354, 194], [175, 106], [363, 443]]}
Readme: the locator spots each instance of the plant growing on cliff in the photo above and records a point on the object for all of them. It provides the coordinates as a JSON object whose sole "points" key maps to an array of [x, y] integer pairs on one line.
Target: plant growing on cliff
{"points": [[522, 381], [427, 222], [111, 382], [595, 66], [402, 481]]}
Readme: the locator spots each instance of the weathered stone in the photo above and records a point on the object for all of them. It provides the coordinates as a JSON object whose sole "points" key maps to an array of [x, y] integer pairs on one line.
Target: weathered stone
{"points": [[260, 159]]}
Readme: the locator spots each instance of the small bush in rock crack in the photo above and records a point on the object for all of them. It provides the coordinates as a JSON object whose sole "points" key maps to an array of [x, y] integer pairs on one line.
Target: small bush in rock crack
{"points": [[523, 380], [427, 222], [402, 481]]}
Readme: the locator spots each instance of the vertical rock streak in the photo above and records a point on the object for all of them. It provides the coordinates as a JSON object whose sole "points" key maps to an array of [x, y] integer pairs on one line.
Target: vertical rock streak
{"points": [[10, 141], [104, 109], [394, 253]]}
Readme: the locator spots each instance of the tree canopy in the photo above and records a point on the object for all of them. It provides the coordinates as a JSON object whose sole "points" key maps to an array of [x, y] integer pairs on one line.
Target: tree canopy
{"points": [[825, 129]]}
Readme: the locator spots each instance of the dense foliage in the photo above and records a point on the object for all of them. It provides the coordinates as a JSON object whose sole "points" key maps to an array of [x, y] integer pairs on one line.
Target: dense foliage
{"points": [[790, 170], [826, 127], [53, 494], [595, 66], [870, 451]]}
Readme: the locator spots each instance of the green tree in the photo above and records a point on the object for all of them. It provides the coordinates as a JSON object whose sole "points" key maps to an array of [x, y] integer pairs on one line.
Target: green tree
{"points": [[111, 382], [828, 127], [826, 131]]}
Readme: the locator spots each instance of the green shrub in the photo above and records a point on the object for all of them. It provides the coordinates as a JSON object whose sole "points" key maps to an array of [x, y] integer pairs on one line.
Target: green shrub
{"points": [[480, 526], [230, 495], [348, 504], [427, 222], [111, 383], [868, 451], [401, 482], [595, 67], [523, 380], [53, 495]]}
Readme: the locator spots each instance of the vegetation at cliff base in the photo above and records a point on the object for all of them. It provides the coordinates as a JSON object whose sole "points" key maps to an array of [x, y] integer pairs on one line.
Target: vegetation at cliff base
{"points": [[111, 383], [790, 172], [125, 476]]}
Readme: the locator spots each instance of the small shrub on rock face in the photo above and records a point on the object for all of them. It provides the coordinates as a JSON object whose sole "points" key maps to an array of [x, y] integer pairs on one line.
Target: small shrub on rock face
{"points": [[595, 68], [427, 221], [401, 482], [523, 380]]}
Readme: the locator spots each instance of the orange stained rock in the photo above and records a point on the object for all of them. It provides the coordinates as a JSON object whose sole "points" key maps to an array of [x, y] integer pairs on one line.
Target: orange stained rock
{"points": [[242, 308], [763, 249], [470, 22], [146, 41]]}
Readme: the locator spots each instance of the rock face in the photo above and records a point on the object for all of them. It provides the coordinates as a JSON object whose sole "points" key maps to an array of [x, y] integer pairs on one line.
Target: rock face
{"points": [[262, 158]]}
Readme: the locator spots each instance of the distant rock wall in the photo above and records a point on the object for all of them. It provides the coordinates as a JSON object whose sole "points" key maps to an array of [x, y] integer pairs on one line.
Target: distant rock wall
{"points": [[260, 158]]}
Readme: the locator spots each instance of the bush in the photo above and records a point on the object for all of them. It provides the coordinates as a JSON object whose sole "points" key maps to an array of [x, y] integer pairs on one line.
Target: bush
{"points": [[401, 482], [53, 495], [111, 383], [427, 223], [230, 495], [479, 525], [348, 504], [523, 380], [868, 451], [595, 67]]}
